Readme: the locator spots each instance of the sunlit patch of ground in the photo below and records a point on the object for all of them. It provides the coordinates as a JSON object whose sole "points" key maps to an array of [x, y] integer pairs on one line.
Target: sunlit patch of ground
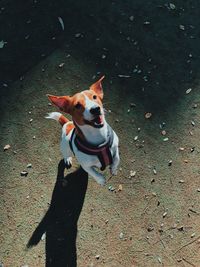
{"points": [[152, 221]]}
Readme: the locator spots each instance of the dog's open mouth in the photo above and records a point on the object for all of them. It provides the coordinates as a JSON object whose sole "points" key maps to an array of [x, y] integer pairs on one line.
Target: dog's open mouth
{"points": [[97, 122]]}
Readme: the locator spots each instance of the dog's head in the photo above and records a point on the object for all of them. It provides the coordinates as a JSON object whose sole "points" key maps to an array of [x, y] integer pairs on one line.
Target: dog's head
{"points": [[84, 107]]}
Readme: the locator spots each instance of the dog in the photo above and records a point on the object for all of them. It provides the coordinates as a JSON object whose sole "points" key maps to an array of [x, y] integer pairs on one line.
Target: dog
{"points": [[88, 136]]}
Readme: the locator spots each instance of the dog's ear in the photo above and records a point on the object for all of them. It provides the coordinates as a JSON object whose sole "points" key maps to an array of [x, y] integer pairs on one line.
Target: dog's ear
{"points": [[97, 87], [62, 102]]}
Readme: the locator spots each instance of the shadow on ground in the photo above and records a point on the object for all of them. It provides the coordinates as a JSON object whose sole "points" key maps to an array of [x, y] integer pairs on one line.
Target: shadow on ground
{"points": [[60, 221]]}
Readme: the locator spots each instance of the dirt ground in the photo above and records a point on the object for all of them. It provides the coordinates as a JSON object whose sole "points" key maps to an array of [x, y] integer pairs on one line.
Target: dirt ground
{"points": [[153, 221]]}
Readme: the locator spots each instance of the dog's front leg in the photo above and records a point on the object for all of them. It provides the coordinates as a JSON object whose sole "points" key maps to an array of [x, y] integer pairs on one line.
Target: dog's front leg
{"points": [[115, 155], [116, 160], [66, 151], [95, 174]]}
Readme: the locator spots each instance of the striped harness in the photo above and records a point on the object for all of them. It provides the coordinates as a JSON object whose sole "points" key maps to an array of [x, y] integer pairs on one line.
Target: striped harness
{"points": [[102, 151]]}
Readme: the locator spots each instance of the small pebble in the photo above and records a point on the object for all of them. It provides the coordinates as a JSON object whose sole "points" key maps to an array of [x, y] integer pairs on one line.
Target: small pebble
{"points": [[180, 228], [120, 187], [29, 165], [170, 163], [111, 188], [150, 228], [195, 106], [61, 65], [6, 147], [132, 173], [132, 105], [193, 235], [164, 214], [159, 259], [131, 18], [163, 132], [77, 35], [165, 139], [30, 120], [181, 181], [182, 27], [121, 235], [24, 173], [172, 6], [188, 91]]}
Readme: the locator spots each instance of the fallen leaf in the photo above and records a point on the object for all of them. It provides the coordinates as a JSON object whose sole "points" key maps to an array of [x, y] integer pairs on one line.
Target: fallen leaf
{"points": [[148, 115], [61, 23], [188, 91], [120, 187]]}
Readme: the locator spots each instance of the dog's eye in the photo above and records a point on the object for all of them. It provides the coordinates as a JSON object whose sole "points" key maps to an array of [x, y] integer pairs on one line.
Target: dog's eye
{"points": [[94, 97], [78, 106]]}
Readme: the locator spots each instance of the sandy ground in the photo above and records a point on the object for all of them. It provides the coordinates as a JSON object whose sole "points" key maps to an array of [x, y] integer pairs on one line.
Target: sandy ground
{"points": [[153, 221]]}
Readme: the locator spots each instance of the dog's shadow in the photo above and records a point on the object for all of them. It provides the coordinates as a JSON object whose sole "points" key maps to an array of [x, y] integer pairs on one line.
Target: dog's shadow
{"points": [[60, 221]]}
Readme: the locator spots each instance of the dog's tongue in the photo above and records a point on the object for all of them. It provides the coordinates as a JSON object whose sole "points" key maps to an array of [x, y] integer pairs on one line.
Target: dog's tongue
{"points": [[98, 120]]}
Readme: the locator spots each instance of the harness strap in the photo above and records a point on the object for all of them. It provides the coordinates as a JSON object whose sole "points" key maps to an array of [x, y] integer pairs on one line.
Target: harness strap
{"points": [[102, 151], [70, 141]]}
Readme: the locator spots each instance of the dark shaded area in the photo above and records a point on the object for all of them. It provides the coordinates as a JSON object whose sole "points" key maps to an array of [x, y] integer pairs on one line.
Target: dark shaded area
{"points": [[60, 221], [154, 43]]}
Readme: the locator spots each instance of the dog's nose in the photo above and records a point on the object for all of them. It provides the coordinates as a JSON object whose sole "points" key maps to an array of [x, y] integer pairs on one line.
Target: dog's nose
{"points": [[95, 111]]}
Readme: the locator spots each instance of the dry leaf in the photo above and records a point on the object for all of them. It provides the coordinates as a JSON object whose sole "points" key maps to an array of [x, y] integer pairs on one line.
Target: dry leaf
{"points": [[148, 115]]}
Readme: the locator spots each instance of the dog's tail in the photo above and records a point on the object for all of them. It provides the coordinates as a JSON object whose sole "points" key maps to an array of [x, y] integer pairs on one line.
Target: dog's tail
{"points": [[58, 117]]}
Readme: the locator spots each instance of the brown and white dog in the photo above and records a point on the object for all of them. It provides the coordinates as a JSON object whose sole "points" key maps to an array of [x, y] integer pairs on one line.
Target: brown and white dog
{"points": [[88, 135]]}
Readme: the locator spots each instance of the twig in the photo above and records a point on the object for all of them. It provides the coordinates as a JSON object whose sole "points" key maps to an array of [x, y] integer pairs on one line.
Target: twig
{"points": [[9, 187], [188, 262], [187, 244], [145, 209], [161, 240], [21, 124]]}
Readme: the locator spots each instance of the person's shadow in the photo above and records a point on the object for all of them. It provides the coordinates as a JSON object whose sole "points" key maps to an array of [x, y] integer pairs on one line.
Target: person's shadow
{"points": [[60, 221]]}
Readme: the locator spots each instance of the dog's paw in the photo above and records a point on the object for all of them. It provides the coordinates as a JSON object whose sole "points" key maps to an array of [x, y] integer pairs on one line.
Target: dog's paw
{"points": [[113, 171], [101, 181], [68, 162]]}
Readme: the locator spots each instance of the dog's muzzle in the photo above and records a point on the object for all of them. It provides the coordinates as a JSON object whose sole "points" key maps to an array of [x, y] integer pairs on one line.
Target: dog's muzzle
{"points": [[97, 122]]}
